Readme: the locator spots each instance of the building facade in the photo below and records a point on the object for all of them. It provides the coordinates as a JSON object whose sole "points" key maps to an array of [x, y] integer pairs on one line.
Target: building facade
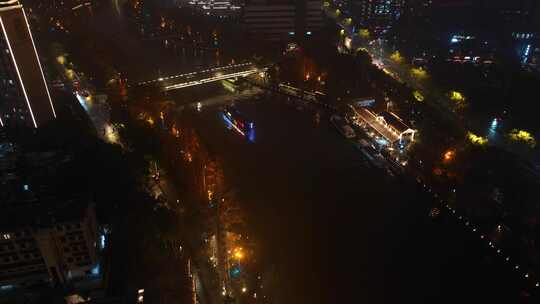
{"points": [[25, 96], [520, 22], [55, 245], [314, 17], [282, 20], [377, 15]]}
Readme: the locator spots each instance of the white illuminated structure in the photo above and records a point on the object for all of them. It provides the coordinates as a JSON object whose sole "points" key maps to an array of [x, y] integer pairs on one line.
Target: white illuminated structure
{"points": [[211, 79], [29, 99], [216, 7]]}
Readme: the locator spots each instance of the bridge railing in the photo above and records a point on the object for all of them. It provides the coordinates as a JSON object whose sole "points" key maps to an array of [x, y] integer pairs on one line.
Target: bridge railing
{"points": [[192, 74], [211, 79]]}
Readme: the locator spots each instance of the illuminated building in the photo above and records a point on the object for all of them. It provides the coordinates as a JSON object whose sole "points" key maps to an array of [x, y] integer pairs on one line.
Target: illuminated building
{"points": [[396, 125], [282, 20], [377, 15], [25, 96], [387, 124]]}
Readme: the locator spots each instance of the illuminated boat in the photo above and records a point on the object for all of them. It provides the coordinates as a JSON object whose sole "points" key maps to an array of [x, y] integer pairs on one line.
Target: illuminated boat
{"points": [[235, 120]]}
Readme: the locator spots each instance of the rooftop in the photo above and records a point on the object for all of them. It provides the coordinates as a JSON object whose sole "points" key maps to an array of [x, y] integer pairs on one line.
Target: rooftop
{"points": [[44, 213], [394, 120]]}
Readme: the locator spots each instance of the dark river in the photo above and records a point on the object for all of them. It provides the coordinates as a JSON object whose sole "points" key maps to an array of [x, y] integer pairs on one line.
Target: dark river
{"points": [[338, 230]]}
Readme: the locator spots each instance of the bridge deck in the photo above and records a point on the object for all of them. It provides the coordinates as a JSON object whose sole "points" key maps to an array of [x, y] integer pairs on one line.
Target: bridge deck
{"points": [[178, 78]]}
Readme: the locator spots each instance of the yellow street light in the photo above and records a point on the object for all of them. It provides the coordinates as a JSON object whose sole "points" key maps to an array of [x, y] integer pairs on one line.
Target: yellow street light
{"points": [[449, 155], [238, 253]]}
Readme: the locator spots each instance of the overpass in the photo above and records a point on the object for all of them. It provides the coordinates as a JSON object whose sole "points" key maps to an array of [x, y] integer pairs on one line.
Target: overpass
{"points": [[179, 81]]}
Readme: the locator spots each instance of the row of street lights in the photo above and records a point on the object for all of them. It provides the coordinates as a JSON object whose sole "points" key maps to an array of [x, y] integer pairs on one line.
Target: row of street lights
{"points": [[467, 223]]}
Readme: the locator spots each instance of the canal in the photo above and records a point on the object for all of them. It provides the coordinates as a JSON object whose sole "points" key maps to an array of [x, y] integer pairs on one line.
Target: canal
{"points": [[335, 228]]}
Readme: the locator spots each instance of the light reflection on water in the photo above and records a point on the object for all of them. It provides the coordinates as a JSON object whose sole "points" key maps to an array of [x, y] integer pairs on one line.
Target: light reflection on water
{"points": [[250, 134], [493, 129]]}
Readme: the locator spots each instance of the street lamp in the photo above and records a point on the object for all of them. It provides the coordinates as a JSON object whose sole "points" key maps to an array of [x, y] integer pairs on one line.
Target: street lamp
{"points": [[238, 254], [140, 296]]}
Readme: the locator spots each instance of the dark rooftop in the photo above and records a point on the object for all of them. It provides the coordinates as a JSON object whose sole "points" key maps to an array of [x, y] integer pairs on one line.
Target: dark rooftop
{"points": [[43, 213]]}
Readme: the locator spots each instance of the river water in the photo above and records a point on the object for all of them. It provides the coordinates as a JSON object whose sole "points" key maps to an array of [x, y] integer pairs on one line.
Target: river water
{"points": [[335, 228]]}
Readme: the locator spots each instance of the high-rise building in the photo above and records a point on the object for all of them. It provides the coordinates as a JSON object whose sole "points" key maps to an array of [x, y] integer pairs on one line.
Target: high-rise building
{"points": [[282, 19], [25, 98], [313, 17], [377, 15]]}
